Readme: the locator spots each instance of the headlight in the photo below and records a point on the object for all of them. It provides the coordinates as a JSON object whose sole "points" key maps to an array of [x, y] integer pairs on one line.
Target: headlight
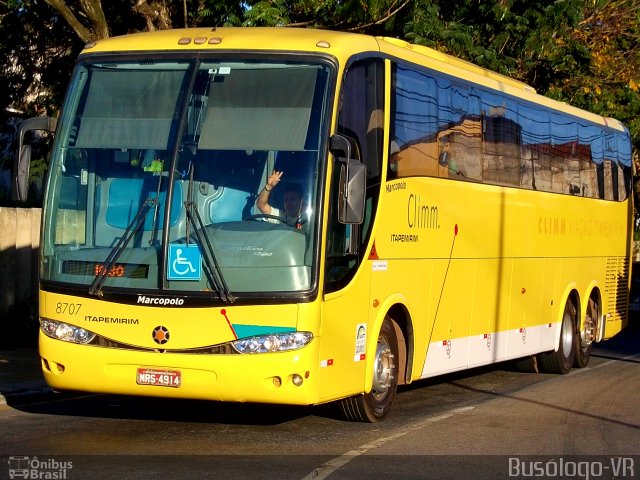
{"points": [[277, 342], [65, 332]]}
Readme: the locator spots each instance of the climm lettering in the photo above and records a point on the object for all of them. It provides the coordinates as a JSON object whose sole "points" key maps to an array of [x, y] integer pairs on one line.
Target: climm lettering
{"points": [[420, 215], [578, 226], [125, 321], [552, 226]]}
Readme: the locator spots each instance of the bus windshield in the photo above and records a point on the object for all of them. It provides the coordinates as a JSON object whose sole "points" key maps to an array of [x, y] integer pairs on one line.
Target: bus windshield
{"points": [[157, 167]]}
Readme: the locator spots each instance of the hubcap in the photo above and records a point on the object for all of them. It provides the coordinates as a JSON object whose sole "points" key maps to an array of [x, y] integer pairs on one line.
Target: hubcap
{"points": [[567, 335], [588, 333], [382, 370]]}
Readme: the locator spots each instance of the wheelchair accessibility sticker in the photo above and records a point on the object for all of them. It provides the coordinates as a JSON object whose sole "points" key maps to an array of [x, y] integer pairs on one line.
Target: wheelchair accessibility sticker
{"points": [[185, 262]]}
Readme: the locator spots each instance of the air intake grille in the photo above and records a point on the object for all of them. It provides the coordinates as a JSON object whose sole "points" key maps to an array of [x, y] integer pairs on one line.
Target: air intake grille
{"points": [[616, 285]]}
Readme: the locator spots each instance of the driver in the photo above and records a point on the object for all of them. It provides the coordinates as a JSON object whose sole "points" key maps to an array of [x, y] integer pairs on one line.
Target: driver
{"points": [[292, 199]]}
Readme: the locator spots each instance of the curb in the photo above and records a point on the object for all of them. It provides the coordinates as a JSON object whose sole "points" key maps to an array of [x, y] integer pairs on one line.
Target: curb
{"points": [[27, 389]]}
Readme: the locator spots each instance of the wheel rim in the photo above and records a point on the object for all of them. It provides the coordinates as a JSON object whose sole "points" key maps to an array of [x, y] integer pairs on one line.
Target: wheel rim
{"points": [[382, 370], [588, 333], [567, 335]]}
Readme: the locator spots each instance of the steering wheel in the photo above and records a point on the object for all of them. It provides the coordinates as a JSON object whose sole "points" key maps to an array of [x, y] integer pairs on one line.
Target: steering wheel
{"points": [[266, 215], [284, 221]]}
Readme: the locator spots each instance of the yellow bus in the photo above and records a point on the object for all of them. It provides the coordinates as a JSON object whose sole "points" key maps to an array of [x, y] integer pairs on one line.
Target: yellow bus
{"points": [[446, 217]]}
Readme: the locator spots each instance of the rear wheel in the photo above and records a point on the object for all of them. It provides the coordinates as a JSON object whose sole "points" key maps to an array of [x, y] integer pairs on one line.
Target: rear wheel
{"points": [[586, 336], [375, 405], [561, 360]]}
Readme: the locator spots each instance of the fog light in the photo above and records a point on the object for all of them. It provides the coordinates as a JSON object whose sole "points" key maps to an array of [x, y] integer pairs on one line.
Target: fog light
{"points": [[297, 380]]}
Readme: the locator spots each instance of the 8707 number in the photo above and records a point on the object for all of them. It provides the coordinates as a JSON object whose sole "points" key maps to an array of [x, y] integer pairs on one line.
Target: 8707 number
{"points": [[69, 308]]}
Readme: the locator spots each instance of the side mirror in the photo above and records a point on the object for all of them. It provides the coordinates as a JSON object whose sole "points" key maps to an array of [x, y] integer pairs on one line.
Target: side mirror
{"points": [[23, 155], [21, 174], [353, 181]]}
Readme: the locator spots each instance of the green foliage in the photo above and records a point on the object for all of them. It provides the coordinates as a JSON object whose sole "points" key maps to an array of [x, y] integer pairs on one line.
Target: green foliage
{"points": [[375, 17], [608, 84], [266, 14], [38, 51], [218, 13]]}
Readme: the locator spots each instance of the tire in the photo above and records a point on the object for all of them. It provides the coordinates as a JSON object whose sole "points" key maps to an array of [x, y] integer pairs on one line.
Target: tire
{"points": [[375, 405], [584, 338], [562, 359]]}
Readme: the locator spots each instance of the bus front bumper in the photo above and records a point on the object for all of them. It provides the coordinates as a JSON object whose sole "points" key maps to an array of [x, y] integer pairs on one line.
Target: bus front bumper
{"points": [[281, 378]]}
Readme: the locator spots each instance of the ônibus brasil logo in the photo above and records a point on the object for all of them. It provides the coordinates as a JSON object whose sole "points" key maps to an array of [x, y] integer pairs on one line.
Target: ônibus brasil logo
{"points": [[32, 467]]}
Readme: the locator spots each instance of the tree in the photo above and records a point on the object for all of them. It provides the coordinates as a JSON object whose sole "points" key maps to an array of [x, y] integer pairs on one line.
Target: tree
{"points": [[88, 20], [37, 51], [610, 83], [373, 16], [86, 17]]}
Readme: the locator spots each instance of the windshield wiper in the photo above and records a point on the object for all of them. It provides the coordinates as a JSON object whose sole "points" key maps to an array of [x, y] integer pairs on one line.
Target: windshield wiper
{"points": [[132, 229], [195, 221]]}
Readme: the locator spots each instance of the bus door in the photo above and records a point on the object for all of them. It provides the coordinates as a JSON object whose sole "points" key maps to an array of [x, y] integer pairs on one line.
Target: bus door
{"points": [[347, 314]]}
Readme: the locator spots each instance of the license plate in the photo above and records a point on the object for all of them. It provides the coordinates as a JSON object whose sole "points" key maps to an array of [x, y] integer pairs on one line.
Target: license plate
{"points": [[159, 378]]}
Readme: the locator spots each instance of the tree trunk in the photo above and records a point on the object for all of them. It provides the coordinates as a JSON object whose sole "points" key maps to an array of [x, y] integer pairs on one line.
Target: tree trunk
{"points": [[93, 25], [156, 14]]}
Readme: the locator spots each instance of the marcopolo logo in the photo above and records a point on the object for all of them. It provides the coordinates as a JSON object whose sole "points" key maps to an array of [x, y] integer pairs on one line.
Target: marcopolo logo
{"points": [[27, 467], [161, 301]]}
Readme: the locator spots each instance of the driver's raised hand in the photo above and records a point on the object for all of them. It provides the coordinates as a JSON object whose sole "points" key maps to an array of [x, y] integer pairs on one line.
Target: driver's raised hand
{"points": [[262, 202], [273, 180]]}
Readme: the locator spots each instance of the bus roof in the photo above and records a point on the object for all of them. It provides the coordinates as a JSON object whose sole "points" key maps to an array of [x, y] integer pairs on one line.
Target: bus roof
{"points": [[338, 44], [341, 45], [457, 62]]}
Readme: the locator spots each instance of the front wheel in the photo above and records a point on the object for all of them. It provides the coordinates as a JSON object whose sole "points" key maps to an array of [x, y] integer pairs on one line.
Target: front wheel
{"points": [[561, 360], [376, 404]]}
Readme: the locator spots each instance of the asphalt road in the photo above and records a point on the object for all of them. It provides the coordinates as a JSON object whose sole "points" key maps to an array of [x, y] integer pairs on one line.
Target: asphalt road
{"points": [[486, 423]]}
